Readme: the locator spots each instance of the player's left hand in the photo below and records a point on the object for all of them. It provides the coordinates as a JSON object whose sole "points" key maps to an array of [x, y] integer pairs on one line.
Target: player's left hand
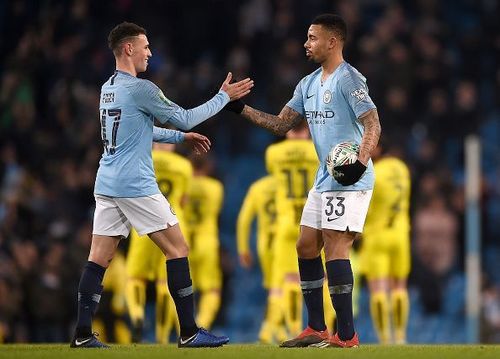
{"points": [[348, 175], [201, 144]]}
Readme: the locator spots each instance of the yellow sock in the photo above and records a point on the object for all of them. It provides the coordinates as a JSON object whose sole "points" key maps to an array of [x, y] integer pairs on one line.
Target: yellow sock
{"points": [[275, 313], [135, 295], [208, 307], [330, 315], [272, 326], [379, 308], [122, 333], [400, 309], [293, 307], [163, 327]]}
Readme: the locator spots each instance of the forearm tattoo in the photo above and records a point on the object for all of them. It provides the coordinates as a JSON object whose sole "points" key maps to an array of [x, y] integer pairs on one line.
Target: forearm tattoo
{"points": [[371, 123], [279, 125]]}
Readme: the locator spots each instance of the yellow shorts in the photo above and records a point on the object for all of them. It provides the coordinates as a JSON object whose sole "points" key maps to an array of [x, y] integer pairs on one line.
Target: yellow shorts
{"points": [[285, 254], [144, 259], [204, 261], [265, 251], [385, 254]]}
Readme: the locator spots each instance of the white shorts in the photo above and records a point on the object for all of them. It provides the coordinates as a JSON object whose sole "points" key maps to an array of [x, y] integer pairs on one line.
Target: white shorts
{"points": [[338, 210], [115, 216]]}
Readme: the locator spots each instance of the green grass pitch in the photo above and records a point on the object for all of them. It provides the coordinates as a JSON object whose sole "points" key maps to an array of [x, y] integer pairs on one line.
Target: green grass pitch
{"points": [[251, 351]]}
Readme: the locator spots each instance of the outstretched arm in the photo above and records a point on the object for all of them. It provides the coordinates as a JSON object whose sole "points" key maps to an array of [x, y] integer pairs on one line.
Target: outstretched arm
{"points": [[279, 125], [371, 135]]}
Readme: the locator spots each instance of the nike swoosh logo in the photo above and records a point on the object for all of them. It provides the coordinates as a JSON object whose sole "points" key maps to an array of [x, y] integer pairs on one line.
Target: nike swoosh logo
{"points": [[188, 339], [309, 96], [77, 342], [331, 219]]}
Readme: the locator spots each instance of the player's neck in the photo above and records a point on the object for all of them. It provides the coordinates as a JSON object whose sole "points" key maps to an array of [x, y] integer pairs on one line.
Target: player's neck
{"points": [[126, 67], [331, 64]]}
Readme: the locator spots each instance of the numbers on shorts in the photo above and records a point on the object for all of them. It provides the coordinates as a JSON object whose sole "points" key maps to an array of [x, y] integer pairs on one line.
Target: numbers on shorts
{"points": [[337, 208], [116, 113], [165, 186]]}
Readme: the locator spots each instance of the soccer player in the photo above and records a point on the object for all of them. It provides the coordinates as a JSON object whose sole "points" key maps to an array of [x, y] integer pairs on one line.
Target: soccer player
{"points": [[260, 204], [335, 102], [292, 163], [385, 250], [202, 216], [126, 191], [173, 174]]}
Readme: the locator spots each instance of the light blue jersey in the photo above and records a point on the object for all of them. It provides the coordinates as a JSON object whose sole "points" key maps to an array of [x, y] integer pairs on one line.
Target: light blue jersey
{"points": [[128, 107], [332, 110]]}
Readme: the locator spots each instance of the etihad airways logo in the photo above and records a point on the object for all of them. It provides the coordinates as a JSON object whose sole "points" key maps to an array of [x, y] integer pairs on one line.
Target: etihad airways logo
{"points": [[318, 117]]}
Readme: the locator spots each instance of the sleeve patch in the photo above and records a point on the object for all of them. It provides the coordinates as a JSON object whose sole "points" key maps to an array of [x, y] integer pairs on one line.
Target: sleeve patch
{"points": [[360, 94], [163, 98]]}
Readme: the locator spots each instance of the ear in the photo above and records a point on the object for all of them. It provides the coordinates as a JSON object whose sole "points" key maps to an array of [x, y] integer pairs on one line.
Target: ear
{"points": [[332, 42], [129, 48]]}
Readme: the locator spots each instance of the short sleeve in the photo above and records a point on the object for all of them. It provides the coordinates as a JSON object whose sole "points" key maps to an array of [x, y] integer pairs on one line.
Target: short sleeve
{"points": [[353, 87], [296, 103]]}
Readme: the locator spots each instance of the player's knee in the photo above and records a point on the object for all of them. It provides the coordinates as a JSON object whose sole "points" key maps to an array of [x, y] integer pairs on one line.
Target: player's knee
{"points": [[306, 249]]}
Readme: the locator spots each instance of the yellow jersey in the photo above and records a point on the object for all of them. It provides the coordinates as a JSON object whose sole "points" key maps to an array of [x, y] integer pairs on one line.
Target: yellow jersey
{"points": [[173, 174], [390, 204], [202, 209], [260, 203], [293, 163]]}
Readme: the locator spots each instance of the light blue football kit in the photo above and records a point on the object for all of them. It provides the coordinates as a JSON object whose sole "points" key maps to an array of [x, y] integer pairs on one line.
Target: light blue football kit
{"points": [[128, 107], [332, 110]]}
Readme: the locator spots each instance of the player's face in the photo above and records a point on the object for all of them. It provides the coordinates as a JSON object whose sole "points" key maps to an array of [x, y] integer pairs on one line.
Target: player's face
{"points": [[141, 53], [319, 43]]}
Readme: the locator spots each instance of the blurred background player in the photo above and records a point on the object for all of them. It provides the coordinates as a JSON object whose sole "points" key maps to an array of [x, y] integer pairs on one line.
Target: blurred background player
{"points": [[202, 215], [260, 204], [293, 163], [385, 250], [145, 261]]}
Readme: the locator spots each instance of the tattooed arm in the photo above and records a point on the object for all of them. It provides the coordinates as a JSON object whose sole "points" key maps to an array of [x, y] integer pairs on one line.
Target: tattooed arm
{"points": [[371, 123], [279, 125]]}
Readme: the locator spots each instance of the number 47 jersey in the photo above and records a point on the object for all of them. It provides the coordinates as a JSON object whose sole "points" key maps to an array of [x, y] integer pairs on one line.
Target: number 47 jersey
{"points": [[128, 107]]}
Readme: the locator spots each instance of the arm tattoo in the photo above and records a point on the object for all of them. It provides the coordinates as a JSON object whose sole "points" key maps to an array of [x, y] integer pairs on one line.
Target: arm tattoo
{"points": [[371, 123], [279, 125]]}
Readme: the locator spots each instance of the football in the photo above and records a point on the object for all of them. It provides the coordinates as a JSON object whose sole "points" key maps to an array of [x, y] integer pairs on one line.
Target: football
{"points": [[342, 154]]}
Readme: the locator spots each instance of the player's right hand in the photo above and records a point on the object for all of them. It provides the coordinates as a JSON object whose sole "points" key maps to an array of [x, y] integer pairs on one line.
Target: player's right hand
{"points": [[200, 143], [246, 260], [238, 89]]}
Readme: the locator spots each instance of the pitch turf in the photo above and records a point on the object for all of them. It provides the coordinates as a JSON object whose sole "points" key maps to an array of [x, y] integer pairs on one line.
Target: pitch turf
{"points": [[251, 351]]}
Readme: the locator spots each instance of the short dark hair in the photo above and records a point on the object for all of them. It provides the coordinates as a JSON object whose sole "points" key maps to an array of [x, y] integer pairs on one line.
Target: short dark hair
{"points": [[122, 31], [333, 23]]}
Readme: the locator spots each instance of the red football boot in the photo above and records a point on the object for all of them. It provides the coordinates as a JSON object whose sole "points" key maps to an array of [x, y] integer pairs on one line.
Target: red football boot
{"points": [[307, 337]]}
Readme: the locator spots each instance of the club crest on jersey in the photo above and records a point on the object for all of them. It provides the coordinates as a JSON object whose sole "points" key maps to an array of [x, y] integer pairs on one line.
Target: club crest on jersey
{"points": [[327, 96]]}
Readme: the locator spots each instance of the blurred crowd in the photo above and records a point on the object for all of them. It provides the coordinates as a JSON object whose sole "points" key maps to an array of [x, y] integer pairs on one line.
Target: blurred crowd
{"points": [[432, 69]]}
